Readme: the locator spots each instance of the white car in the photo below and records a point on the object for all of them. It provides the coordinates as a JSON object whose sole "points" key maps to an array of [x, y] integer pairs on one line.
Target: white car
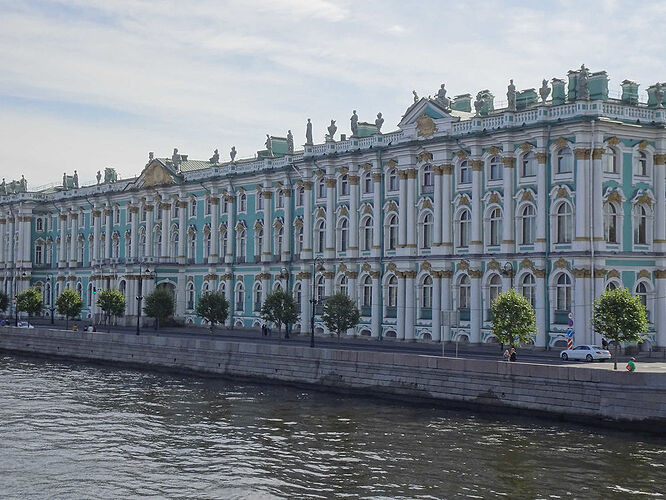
{"points": [[24, 324], [586, 352]]}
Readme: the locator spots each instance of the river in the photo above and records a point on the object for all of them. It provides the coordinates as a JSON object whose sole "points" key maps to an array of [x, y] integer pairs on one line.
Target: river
{"points": [[70, 430]]}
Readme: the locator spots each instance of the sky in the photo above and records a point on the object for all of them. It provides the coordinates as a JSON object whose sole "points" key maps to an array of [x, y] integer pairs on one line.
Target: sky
{"points": [[89, 84]]}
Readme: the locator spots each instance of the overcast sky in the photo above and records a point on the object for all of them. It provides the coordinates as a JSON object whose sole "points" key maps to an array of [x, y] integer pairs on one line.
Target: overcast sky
{"points": [[86, 84]]}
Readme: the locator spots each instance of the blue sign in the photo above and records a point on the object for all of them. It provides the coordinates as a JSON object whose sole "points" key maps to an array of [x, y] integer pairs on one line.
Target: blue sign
{"points": [[570, 333], [570, 322]]}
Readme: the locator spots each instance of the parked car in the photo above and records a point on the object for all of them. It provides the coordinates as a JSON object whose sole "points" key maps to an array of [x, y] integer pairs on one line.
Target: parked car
{"points": [[586, 352], [24, 324]]}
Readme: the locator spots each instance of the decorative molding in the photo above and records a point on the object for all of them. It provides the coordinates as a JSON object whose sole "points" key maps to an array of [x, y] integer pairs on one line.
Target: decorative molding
{"points": [[494, 198], [494, 265], [475, 273], [391, 266], [613, 141], [508, 161], [541, 158], [526, 147], [582, 154], [426, 266], [447, 168], [613, 273], [425, 126], [461, 154], [464, 200], [561, 142], [463, 265], [494, 150], [643, 145], [643, 273], [527, 195], [598, 153], [424, 156], [561, 264], [477, 165], [562, 193]]}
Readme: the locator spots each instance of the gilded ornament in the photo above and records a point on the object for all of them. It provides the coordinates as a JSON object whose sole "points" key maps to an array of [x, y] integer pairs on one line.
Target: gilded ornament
{"points": [[494, 198], [427, 203], [366, 266], [508, 161], [527, 264], [463, 265], [424, 156], [643, 145], [562, 192], [643, 273], [541, 158], [366, 166], [561, 264], [425, 126], [561, 143], [660, 159], [391, 266], [615, 197], [527, 195], [494, 150], [464, 200], [477, 165], [426, 265], [494, 265], [461, 154], [526, 147]]}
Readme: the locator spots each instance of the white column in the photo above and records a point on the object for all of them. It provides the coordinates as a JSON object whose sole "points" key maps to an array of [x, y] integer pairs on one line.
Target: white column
{"points": [[402, 210], [660, 308], [377, 214], [214, 230], [306, 295], [330, 219], [446, 304], [508, 219], [109, 232], [288, 226], [150, 226], [231, 229], [229, 291], [542, 326], [181, 258], [400, 334], [3, 239], [436, 305], [265, 287], [411, 211], [353, 215], [437, 201], [180, 288], [166, 217], [134, 231], [95, 214], [306, 252], [476, 245], [410, 305], [18, 258], [268, 226], [660, 207], [26, 238], [62, 254], [376, 305], [597, 202], [73, 218], [542, 203], [581, 327], [447, 222], [582, 200], [476, 312]]}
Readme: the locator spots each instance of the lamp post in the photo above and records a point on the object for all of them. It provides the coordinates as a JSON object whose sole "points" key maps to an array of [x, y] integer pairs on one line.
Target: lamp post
{"points": [[508, 271], [51, 307], [284, 274], [315, 264], [139, 297], [16, 311]]}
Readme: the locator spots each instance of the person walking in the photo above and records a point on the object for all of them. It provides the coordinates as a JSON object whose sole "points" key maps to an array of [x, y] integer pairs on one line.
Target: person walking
{"points": [[631, 365], [506, 355], [513, 356]]}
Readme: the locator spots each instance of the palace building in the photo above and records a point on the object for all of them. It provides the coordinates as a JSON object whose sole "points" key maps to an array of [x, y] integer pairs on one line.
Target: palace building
{"points": [[559, 193]]}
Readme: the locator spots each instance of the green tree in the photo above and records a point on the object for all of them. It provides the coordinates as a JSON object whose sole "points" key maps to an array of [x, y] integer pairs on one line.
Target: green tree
{"points": [[29, 301], [280, 308], [213, 307], [159, 305], [4, 301], [340, 313], [112, 303], [620, 317], [513, 318], [69, 304]]}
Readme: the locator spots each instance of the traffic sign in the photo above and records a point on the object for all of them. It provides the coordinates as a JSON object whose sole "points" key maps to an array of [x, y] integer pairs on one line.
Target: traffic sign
{"points": [[569, 343], [569, 333], [570, 315], [570, 322]]}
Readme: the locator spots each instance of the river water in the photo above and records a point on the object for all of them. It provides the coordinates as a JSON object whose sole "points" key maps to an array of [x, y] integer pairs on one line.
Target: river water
{"points": [[71, 430]]}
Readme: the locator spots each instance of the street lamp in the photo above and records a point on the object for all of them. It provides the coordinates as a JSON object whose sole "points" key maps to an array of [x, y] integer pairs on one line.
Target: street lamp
{"points": [[16, 312], [315, 264], [508, 271], [139, 297], [51, 307], [284, 274]]}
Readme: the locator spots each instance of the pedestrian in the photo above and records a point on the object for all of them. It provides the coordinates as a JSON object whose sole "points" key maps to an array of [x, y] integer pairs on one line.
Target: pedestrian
{"points": [[506, 355], [604, 343], [263, 329], [631, 365], [268, 329], [75, 328], [512, 355]]}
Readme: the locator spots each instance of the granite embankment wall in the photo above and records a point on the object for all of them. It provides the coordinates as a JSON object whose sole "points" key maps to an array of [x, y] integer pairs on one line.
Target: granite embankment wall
{"points": [[565, 391]]}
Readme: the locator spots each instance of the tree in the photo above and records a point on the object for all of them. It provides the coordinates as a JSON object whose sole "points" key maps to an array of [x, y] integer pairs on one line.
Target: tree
{"points": [[29, 301], [620, 317], [213, 307], [159, 305], [112, 303], [69, 304], [340, 313], [4, 301], [513, 318], [280, 308]]}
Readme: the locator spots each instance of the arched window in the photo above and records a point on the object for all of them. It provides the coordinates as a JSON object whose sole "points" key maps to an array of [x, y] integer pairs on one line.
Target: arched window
{"points": [[343, 235], [527, 221], [427, 179], [610, 286], [610, 222], [190, 295], [367, 291], [241, 251], [464, 221], [641, 164], [79, 288], [321, 189], [495, 227], [465, 172], [225, 242], [116, 214], [207, 244], [344, 185], [175, 210], [205, 288], [320, 289], [640, 225], [299, 239], [116, 247], [242, 202], [259, 242], [320, 236], [298, 295], [344, 285], [300, 196], [39, 253], [279, 238], [528, 165], [193, 207], [564, 223], [393, 180], [464, 293], [222, 288], [426, 293], [259, 201], [392, 232], [642, 293], [426, 231], [257, 294], [192, 246], [174, 243], [528, 288], [609, 161], [496, 168], [279, 201], [494, 288], [392, 292], [158, 243], [49, 253], [207, 205], [563, 293], [142, 243], [240, 297], [366, 234], [564, 161], [368, 186], [39, 224]]}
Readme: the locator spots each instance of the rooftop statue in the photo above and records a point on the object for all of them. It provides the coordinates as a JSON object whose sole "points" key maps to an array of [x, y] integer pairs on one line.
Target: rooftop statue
{"points": [[24, 184], [151, 156], [416, 97], [76, 180], [110, 175], [3, 187], [582, 90], [215, 158], [232, 153], [175, 157], [332, 128], [544, 91], [354, 123], [511, 96], [99, 176], [308, 132], [441, 97], [659, 95], [269, 145], [478, 103], [379, 122], [290, 142], [64, 181]]}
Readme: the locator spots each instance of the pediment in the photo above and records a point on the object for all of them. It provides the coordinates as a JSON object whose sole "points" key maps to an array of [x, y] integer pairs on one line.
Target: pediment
{"points": [[424, 106], [156, 174]]}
